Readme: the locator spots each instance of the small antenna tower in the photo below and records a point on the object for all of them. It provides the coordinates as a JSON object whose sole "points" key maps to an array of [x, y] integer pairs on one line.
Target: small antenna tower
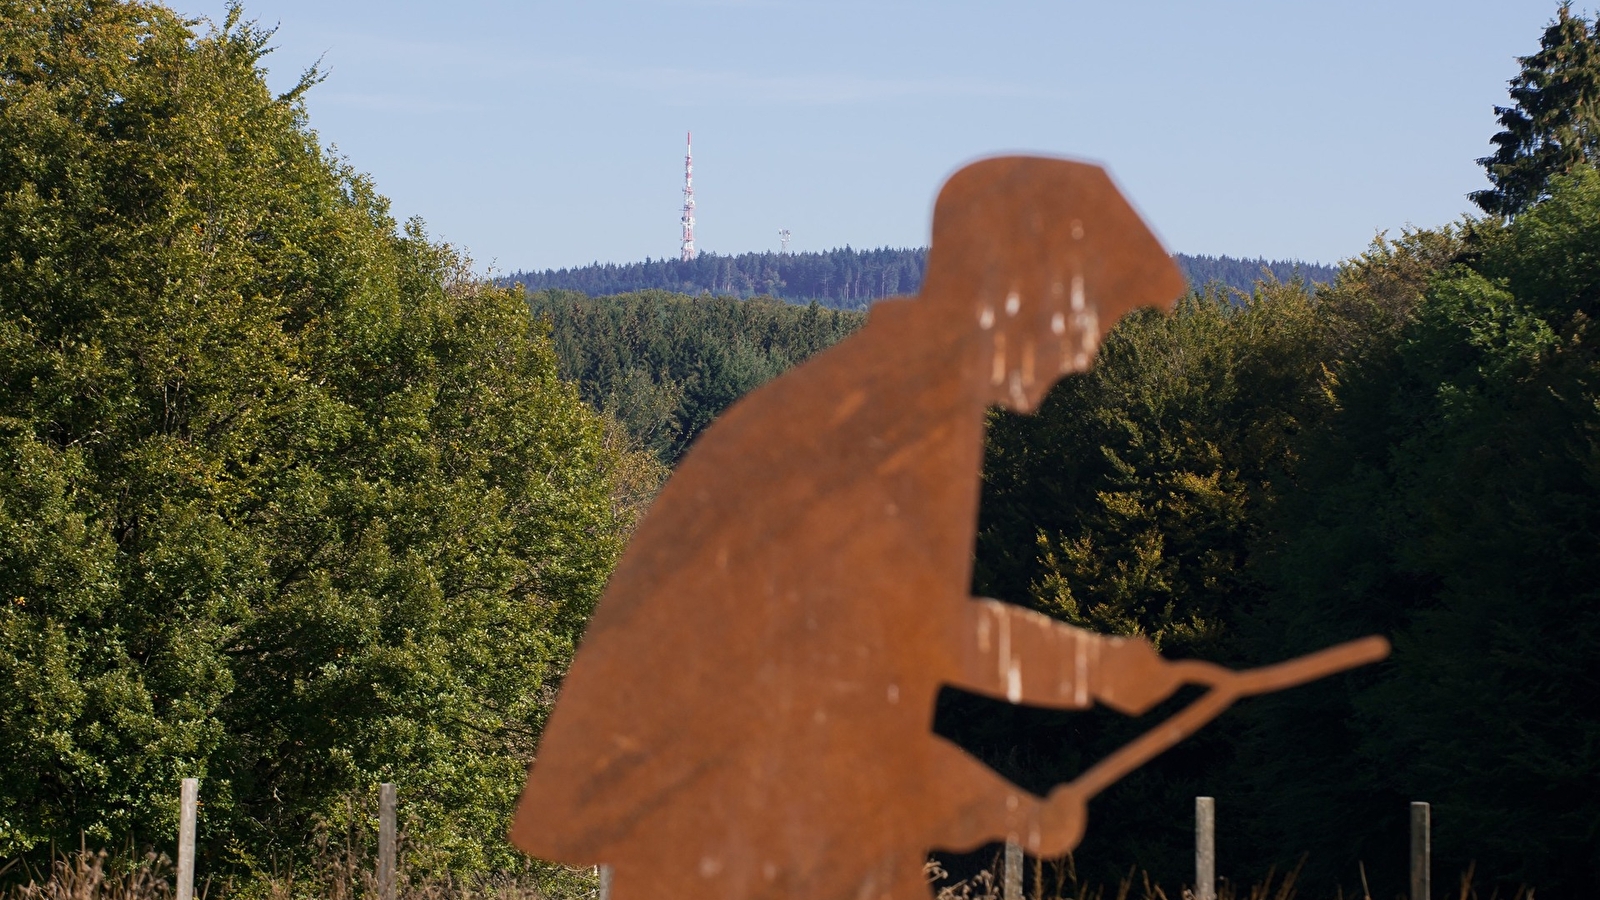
{"points": [[783, 239], [688, 198]]}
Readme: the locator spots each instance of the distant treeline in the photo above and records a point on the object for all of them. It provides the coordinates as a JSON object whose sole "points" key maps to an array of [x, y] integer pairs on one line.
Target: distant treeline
{"points": [[843, 278]]}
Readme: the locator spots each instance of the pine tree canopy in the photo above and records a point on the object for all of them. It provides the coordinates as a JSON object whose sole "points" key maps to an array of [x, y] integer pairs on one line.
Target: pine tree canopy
{"points": [[1554, 124]]}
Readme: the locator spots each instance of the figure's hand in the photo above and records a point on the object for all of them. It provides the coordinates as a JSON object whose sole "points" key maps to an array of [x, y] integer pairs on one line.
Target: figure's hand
{"points": [[1059, 825], [1133, 677]]}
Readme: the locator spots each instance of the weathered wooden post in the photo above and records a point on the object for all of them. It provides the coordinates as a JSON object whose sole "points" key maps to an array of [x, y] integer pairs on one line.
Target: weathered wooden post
{"points": [[1205, 848], [188, 799], [605, 881], [1011, 888], [1421, 851], [386, 841]]}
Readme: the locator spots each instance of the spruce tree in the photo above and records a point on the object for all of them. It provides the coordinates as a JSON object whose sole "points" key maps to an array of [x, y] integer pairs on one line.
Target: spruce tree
{"points": [[1554, 125]]}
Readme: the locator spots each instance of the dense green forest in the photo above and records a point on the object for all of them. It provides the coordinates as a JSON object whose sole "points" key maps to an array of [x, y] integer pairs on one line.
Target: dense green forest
{"points": [[290, 501], [842, 278], [664, 365], [293, 502]]}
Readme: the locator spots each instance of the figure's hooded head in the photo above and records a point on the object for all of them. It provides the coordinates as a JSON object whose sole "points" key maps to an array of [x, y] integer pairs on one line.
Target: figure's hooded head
{"points": [[1040, 256]]}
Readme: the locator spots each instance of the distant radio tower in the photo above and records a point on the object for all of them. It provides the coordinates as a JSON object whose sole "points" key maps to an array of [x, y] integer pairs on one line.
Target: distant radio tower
{"points": [[688, 199], [783, 238]]}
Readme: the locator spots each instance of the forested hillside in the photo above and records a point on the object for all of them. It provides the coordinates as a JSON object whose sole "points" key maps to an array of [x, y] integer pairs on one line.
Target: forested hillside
{"points": [[843, 278], [664, 365]]}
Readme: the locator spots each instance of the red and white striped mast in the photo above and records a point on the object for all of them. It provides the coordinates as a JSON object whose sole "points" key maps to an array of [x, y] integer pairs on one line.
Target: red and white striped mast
{"points": [[688, 198]]}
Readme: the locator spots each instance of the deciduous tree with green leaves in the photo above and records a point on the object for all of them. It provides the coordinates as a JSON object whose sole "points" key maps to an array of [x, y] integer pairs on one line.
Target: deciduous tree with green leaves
{"points": [[289, 499], [1449, 501]]}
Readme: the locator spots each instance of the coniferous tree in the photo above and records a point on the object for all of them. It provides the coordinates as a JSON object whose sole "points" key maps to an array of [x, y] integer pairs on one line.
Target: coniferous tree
{"points": [[1554, 124], [845, 278], [664, 365]]}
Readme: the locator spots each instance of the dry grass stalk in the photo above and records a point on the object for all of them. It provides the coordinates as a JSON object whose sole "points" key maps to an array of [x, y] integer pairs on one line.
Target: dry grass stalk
{"points": [[344, 871], [93, 876]]}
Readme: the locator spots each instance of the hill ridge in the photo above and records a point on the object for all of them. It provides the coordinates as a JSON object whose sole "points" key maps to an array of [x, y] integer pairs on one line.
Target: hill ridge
{"points": [[843, 278]]}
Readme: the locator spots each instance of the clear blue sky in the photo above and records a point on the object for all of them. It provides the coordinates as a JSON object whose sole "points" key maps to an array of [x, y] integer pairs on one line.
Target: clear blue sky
{"points": [[546, 134]]}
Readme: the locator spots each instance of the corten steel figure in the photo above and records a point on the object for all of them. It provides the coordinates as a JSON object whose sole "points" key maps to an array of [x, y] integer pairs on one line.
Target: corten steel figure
{"points": [[750, 712]]}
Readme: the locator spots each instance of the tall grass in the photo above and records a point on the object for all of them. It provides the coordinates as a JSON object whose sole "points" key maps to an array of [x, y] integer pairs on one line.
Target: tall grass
{"points": [[1058, 880], [341, 871], [87, 875], [344, 872]]}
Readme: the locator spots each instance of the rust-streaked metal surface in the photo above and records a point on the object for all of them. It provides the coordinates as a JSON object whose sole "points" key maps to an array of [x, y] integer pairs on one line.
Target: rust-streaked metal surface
{"points": [[750, 713]]}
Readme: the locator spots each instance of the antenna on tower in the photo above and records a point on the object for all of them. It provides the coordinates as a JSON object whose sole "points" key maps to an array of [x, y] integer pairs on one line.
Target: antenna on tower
{"points": [[688, 198], [783, 239]]}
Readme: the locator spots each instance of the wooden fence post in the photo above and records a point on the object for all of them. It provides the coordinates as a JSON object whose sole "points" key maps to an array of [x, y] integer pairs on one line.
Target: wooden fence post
{"points": [[1011, 888], [386, 841], [188, 799], [1421, 851], [1205, 848], [605, 881]]}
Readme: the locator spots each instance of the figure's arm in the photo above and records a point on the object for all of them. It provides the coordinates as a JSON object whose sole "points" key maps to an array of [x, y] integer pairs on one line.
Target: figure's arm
{"points": [[1008, 652]]}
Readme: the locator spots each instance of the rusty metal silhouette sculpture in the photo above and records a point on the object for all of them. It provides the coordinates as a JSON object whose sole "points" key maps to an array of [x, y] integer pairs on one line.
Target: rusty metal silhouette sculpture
{"points": [[750, 712]]}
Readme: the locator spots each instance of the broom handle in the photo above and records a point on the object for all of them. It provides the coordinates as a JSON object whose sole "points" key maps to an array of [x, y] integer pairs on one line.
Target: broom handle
{"points": [[1226, 687]]}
